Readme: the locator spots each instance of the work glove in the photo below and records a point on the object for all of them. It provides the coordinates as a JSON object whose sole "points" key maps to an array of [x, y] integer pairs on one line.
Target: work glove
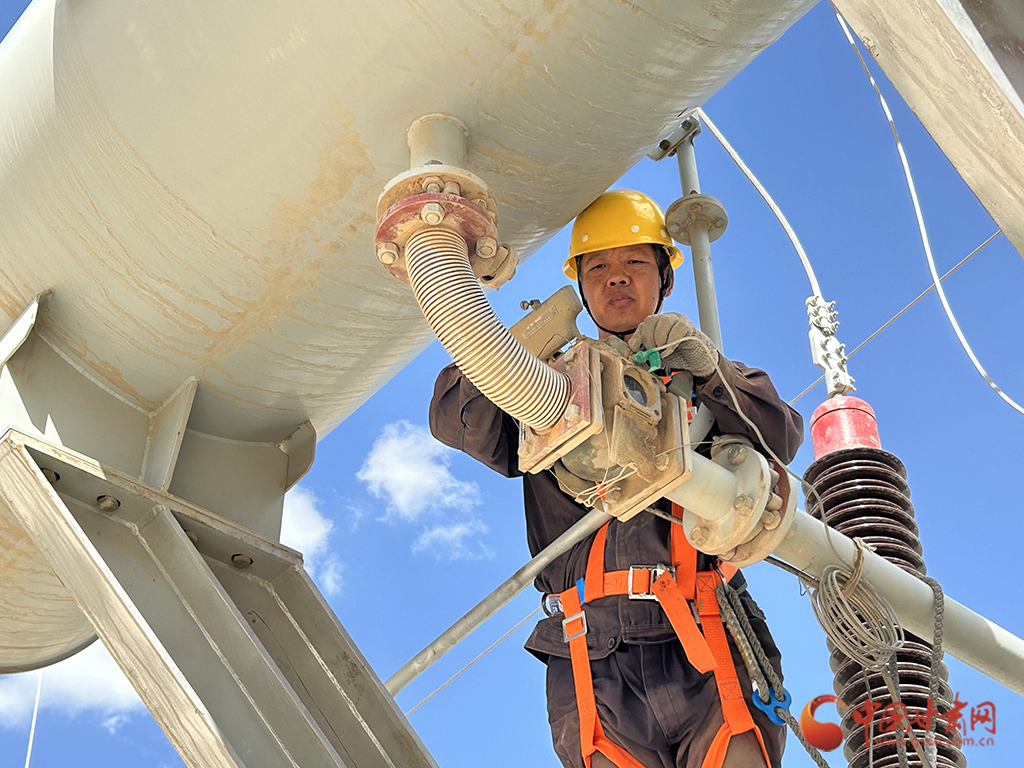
{"points": [[681, 344]]}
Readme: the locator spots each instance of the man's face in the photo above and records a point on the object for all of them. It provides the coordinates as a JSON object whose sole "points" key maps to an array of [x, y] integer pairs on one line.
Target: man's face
{"points": [[622, 286]]}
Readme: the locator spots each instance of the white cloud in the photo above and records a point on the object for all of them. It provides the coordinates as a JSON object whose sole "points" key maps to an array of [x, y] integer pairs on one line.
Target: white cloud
{"points": [[114, 722], [355, 517], [329, 576], [449, 541], [304, 527], [89, 680], [408, 468]]}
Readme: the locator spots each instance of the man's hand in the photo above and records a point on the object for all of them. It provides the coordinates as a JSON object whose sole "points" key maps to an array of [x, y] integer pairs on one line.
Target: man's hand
{"points": [[682, 345]]}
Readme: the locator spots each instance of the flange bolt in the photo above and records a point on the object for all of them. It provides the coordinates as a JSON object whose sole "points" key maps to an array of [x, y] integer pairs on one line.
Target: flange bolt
{"points": [[387, 253], [486, 247], [432, 213]]}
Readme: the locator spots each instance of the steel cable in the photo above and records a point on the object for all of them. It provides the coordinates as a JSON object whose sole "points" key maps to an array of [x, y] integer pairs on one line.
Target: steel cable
{"points": [[483, 653], [920, 221], [899, 314], [35, 713], [790, 232]]}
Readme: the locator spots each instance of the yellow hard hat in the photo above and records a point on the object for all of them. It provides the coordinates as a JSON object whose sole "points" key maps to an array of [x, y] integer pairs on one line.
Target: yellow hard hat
{"points": [[616, 218]]}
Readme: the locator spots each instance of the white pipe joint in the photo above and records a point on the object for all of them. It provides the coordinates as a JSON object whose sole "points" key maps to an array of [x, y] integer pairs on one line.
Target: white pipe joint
{"points": [[724, 499], [436, 230], [437, 139]]}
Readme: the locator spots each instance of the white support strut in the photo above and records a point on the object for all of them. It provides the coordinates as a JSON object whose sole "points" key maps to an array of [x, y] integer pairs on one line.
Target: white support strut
{"points": [[221, 631], [972, 638]]}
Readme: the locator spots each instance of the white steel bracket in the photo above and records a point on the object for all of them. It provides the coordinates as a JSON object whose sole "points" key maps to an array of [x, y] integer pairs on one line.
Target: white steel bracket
{"points": [[220, 630]]}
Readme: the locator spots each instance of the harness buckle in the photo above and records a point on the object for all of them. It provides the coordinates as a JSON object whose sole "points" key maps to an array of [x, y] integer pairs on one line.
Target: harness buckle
{"points": [[551, 605], [655, 572], [569, 619]]}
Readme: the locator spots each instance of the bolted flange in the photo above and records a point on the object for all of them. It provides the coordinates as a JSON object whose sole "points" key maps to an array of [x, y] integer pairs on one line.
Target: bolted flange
{"points": [[434, 179], [753, 491], [687, 211], [773, 525], [438, 191], [408, 216]]}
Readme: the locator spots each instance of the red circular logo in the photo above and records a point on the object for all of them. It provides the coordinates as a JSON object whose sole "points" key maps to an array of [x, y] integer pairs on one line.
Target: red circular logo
{"points": [[824, 736]]}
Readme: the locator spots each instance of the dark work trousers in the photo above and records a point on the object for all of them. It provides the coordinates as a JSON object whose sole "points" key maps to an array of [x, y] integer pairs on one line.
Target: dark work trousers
{"points": [[654, 704]]}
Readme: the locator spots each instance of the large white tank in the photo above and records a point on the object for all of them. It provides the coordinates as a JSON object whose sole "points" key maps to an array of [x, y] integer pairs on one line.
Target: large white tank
{"points": [[196, 183]]}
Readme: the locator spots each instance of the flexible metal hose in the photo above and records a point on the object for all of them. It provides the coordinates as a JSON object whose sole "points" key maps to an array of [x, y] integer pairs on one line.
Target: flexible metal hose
{"points": [[460, 315]]}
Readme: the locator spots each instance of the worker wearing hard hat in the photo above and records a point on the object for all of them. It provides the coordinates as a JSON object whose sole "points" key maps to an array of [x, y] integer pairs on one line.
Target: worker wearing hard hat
{"points": [[625, 689]]}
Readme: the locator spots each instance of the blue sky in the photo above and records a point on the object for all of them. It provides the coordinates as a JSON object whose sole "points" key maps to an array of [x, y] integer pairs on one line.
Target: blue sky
{"points": [[805, 119]]}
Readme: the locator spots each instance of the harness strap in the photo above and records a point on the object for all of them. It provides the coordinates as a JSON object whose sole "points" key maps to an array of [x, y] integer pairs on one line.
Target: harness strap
{"points": [[592, 738], [594, 582], [735, 714], [677, 609], [706, 652], [684, 556]]}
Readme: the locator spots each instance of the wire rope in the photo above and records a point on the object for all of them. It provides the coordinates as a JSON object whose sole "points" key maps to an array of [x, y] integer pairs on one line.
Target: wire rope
{"points": [[899, 314], [483, 653], [702, 115], [35, 713], [920, 220]]}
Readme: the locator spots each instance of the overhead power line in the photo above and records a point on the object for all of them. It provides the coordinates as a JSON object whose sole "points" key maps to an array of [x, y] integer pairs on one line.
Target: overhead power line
{"points": [[920, 220], [895, 317]]}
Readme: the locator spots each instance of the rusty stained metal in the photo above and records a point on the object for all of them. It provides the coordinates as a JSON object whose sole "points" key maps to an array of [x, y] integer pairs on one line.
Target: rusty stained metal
{"points": [[410, 215]]}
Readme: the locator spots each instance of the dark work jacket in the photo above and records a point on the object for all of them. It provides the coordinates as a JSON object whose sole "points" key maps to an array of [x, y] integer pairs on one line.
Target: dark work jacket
{"points": [[461, 417]]}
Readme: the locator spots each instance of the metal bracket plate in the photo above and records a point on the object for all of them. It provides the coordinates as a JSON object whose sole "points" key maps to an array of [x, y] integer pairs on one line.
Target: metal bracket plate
{"points": [[231, 646], [582, 365], [632, 494]]}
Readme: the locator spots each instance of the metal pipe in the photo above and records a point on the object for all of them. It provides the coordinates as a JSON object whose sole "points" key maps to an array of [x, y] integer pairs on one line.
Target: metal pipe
{"points": [[972, 638], [709, 492], [687, 160], [437, 139], [710, 487], [487, 607], [710, 482], [700, 248], [704, 282]]}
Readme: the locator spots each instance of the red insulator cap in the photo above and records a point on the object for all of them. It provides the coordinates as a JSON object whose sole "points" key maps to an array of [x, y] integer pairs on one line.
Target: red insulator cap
{"points": [[843, 422]]}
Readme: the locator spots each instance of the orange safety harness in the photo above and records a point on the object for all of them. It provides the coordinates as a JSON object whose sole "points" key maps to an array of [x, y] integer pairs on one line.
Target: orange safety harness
{"points": [[673, 587]]}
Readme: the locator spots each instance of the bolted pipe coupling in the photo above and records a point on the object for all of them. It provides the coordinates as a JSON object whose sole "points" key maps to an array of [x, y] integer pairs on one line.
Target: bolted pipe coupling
{"points": [[492, 264], [438, 191], [436, 231]]}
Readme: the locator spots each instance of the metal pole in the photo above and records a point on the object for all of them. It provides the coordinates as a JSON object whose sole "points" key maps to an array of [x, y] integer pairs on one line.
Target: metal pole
{"points": [[972, 638], [704, 282], [487, 607], [700, 248], [688, 177]]}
